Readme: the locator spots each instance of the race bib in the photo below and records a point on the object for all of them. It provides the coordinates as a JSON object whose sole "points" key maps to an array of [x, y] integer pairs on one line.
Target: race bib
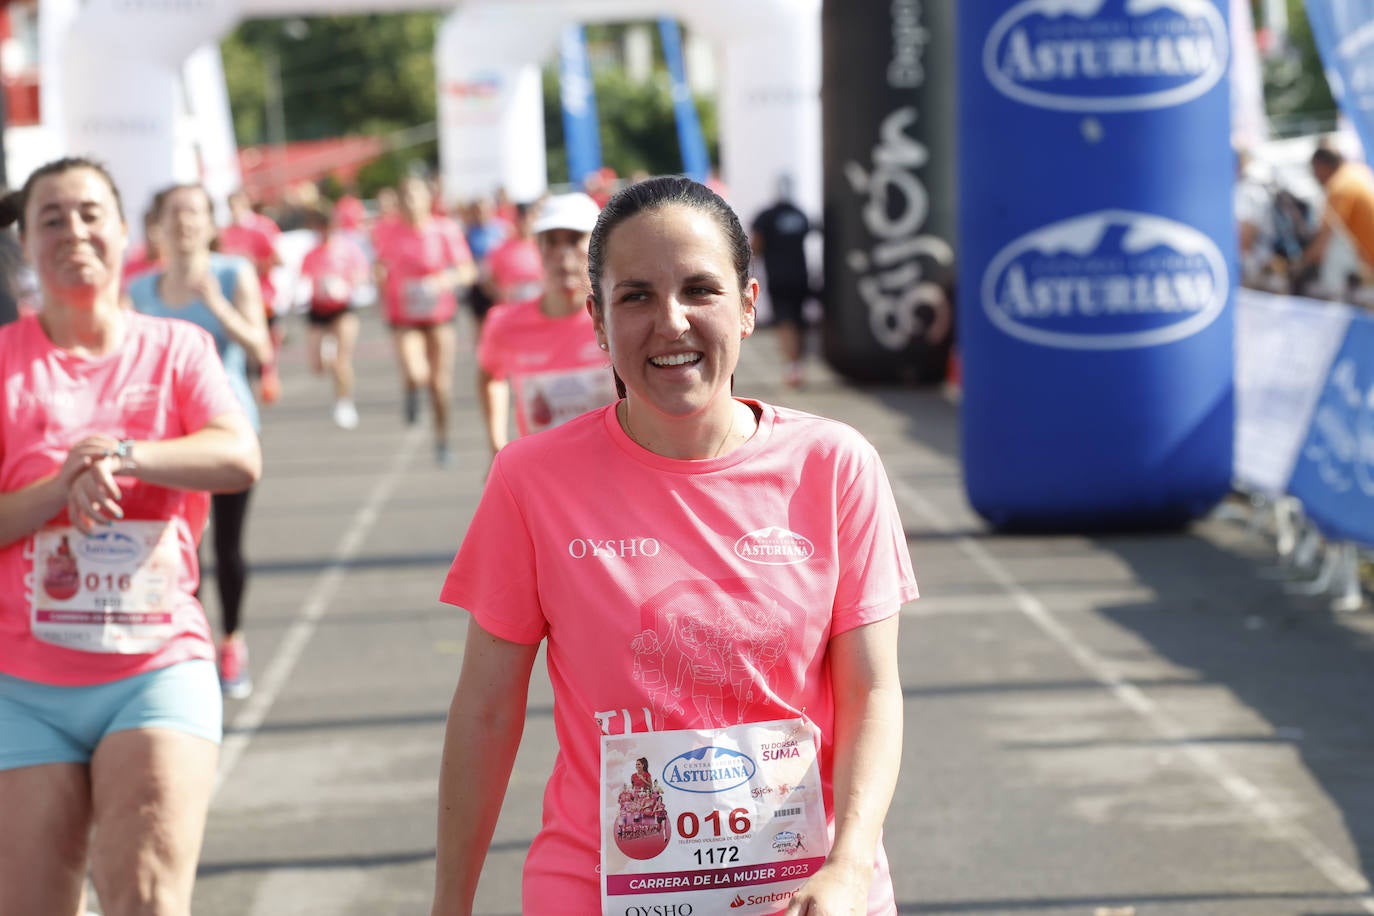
{"points": [[113, 591], [332, 293], [550, 398], [724, 819], [420, 301]]}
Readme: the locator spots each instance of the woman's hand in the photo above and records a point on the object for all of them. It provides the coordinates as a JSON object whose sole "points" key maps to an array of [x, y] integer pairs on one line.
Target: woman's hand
{"points": [[88, 475], [836, 889]]}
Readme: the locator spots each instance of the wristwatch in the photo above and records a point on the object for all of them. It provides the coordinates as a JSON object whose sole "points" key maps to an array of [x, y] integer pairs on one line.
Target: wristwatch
{"points": [[124, 451]]}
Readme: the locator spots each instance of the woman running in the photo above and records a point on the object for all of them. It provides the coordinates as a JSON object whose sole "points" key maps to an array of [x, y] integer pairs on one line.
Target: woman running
{"points": [[729, 529], [220, 293], [335, 268], [114, 426], [424, 260]]}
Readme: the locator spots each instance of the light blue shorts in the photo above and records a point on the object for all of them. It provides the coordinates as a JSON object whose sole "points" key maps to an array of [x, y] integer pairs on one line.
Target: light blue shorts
{"points": [[40, 723]]}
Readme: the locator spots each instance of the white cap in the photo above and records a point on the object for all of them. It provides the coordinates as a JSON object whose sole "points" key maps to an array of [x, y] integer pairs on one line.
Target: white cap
{"points": [[575, 211]]}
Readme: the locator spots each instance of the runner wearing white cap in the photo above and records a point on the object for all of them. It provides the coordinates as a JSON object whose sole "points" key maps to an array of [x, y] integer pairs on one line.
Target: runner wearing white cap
{"points": [[542, 352]]}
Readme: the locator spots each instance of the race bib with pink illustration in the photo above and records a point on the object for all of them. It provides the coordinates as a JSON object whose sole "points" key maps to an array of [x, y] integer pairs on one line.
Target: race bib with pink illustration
{"points": [[113, 591], [721, 819], [547, 399]]}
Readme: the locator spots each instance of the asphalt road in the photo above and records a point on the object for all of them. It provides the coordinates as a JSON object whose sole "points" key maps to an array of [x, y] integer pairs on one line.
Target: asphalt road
{"points": [[1106, 726]]}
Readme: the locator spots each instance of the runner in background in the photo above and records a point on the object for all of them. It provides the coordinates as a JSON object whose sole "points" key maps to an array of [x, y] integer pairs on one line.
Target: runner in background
{"points": [[110, 717], [424, 260], [143, 256], [542, 351], [514, 270], [219, 293], [778, 237], [697, 563], [484, 230], [334, 269], [252, 235]]}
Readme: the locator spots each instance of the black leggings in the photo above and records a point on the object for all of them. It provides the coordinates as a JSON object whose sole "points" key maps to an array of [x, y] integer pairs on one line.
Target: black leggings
{"points": [[228, 512]]}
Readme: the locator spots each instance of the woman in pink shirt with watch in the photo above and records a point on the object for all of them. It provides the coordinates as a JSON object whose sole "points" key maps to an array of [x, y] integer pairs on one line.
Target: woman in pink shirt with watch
{"points": [[718, 580], [113, 427]]}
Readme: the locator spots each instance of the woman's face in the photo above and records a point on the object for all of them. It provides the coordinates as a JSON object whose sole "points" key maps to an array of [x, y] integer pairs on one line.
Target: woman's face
{"points": [[563, 252], [415, 200], [186, 225], [673, 313], [639, 765], [74, 235]]}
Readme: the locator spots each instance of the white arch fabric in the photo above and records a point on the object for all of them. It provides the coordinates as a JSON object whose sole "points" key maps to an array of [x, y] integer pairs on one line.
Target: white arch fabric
{"points": [[122, 59], [491, 120]]}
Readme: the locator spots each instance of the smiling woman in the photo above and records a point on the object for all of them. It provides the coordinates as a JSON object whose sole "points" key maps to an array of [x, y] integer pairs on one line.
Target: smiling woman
{"points": [[743, 630], [108, 701]]}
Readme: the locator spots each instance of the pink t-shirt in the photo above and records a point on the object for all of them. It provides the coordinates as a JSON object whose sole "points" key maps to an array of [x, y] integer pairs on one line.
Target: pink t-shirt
{"points": [[163, 382], [254, 242], [411, 253], [516, 270], [555, 368], [657, 585], [335, 269]]}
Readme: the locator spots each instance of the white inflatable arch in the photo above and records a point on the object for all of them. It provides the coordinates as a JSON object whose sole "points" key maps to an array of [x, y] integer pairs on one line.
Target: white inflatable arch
{"points": [[122, 61]]}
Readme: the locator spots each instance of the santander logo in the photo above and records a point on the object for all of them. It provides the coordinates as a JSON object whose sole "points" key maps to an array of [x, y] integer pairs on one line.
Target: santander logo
{"points": [[774, 547], [1107, 55]]}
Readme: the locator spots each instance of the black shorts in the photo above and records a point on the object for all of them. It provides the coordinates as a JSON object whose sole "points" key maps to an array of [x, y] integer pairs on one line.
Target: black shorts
{"points": [[787, 304], [478, 301], [323, 319]]}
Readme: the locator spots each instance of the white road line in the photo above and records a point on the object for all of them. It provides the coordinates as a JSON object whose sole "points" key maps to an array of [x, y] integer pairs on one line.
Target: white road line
{"points": [[1246, 794], [269, 686]]}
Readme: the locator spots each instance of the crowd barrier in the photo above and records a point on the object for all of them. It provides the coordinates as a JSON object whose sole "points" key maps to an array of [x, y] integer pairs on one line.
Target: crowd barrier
{"points": [[1305, 431]]}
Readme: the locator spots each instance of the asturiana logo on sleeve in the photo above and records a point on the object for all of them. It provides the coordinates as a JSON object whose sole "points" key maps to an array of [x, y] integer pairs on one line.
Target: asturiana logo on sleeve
{"points": [[774, 546], [1107, 55], [1109, 280], [709, 769]]}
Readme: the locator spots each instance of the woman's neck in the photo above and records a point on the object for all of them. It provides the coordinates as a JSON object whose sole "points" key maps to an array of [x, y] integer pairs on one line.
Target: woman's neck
{"points": [[94, 328], [710, 434]]}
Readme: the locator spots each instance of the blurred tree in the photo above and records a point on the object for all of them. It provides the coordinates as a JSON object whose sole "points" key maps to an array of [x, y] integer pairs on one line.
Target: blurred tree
{"points": [[1296, 94], [339, 74]]}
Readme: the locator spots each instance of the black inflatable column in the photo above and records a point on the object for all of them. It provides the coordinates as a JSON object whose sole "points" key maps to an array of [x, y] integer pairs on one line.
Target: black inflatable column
{"points": [[888, 114]]}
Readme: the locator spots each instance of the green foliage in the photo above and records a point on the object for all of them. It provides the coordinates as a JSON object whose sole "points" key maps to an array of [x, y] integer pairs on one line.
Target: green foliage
{"points": [[1296, 94], [638, 128], [341, 75]]}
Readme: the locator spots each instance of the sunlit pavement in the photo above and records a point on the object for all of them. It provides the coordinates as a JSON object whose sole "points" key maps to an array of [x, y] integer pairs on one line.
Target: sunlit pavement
{"points": [[1124, 725]]}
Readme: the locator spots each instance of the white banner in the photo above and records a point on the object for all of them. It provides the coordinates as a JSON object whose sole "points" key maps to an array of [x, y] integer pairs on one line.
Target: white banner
{"points": [[1284, 349]]}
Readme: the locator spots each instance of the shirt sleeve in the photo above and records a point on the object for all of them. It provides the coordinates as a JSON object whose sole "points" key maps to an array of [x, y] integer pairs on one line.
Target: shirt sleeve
{"points": [[458, 250], [493, 574], [876, 577], [202, 389]]}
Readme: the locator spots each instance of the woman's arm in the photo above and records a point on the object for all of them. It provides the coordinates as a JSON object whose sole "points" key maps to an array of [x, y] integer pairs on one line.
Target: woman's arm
{"points": [[493, 397], [222, 456], [490, 703], [244, 319], [868, 751]]}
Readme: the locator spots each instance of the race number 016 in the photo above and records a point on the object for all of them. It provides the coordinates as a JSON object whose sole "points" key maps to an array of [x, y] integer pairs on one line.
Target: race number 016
{"points": [[689, 825]]}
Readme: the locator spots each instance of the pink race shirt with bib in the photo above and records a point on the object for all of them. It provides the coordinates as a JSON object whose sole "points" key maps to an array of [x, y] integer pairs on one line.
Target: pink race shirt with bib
{"points": [[335, 269], [411, 254], [688, 606], [555, 368], [87, 609]]}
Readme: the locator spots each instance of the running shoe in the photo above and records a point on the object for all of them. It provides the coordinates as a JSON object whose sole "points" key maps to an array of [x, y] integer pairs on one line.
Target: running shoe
{"points": [[234, 681], [443, 455], [345, 415], [271, 385]]}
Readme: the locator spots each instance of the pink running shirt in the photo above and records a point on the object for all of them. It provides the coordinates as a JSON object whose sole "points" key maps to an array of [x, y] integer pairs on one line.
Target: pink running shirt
{"points": [[411, 253], [555, 368], [516, 269], [255, 243], [165, 381], [659, 587], [335, 269]]}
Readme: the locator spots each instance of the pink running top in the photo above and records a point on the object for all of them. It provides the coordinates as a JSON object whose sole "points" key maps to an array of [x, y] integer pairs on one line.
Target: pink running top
{"points": [[677, 594], [163, 382]]}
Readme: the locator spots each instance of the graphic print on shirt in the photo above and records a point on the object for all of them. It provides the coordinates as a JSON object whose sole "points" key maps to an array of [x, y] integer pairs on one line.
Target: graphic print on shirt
{"points": [[705, 649]]}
